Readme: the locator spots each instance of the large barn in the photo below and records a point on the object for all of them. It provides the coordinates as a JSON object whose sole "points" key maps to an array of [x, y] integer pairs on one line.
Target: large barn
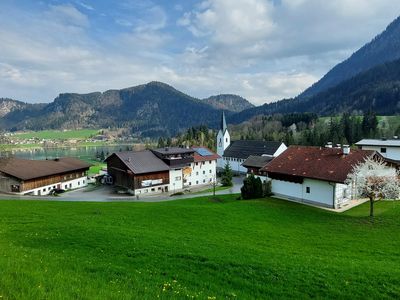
{"points": [[169, 169], [40, 177]]}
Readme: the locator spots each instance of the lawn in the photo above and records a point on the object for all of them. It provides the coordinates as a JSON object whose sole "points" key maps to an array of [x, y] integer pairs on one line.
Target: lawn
{"points": [[197, 248], [58, 134]]}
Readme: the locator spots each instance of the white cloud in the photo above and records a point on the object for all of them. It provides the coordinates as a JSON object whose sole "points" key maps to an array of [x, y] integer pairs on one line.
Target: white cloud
{"points": [[263, 50], [68, 14]]}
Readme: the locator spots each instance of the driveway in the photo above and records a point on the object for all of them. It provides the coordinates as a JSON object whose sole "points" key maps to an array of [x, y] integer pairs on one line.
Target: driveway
{"points": [[106, 193]]}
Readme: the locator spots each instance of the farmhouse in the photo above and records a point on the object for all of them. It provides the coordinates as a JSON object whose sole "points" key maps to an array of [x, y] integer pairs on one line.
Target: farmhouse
{"points": [[40, 177], [236, 152], [315, 175], [388, 148], [255, 163], [169, 169]]}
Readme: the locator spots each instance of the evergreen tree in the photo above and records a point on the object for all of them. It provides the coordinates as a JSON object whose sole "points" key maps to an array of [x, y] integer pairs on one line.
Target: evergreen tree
{"points": [[252, 187], [226, 177]]}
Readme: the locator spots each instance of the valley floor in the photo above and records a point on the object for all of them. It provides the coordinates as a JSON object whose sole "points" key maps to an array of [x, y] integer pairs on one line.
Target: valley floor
{"points": [[197, 248]]}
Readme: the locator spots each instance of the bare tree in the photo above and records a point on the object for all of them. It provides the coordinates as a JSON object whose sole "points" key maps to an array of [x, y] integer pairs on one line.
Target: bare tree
{"points": [[375, 180]]}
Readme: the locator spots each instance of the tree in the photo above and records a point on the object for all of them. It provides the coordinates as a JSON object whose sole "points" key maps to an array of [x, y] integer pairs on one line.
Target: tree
{"points": [[375, 180], [226, 178], [252, 187]]}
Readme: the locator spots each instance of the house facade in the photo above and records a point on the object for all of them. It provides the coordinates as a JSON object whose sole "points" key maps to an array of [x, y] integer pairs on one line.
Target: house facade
{"points": [[169, 169], [40, 177], [236, 152], [315, 175], [388, 148]]}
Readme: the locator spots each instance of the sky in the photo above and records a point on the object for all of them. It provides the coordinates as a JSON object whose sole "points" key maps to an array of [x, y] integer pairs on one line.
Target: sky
{"points": [[263, 50]]}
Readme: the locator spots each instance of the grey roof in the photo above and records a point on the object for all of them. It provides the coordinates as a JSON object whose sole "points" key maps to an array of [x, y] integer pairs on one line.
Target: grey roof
{"points": [[140, 162], [244, 148], [255, 161], [379, 142], [173, 150], [27, 169]]}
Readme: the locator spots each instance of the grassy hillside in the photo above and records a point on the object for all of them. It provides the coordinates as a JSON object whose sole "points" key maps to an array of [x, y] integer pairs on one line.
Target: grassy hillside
{"points": [[197, 249]]}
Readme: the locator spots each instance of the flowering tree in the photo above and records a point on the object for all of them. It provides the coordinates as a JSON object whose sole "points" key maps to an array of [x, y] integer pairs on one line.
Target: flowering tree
{"points": [[375, 180]]}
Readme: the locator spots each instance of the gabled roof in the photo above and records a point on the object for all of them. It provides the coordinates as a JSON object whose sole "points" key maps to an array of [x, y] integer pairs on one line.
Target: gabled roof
{"points": [[244, 148], [379, 142], [328, 164], [254, 161], [26, 169], [140, 162], [204, 154]]}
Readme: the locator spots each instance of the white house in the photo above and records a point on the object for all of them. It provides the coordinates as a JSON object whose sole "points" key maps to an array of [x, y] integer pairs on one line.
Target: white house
{"points": [[236, 152], [388, 148], [315, 175]]}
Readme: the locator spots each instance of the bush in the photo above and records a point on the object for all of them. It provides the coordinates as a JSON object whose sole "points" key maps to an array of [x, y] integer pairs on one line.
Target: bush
{"points": [[252, 188]]}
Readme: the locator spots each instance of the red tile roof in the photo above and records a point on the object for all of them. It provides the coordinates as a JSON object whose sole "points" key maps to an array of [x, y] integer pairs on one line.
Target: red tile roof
{"points": [[328, 164], [198, 157]]}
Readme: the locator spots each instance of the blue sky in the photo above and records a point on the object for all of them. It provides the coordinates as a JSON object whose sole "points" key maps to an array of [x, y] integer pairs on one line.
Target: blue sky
{"points": [[263, 50]]}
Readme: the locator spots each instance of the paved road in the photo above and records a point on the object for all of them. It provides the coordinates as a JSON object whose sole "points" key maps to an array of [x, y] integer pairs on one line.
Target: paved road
{"points": [[107, 194]]}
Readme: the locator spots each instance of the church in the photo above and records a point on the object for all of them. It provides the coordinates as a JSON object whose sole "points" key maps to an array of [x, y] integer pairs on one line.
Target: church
{"points": [[236, 152]]}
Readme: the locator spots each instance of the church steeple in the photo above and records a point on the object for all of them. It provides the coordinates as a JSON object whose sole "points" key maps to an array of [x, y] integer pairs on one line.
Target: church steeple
{"points": [[223, 123]]}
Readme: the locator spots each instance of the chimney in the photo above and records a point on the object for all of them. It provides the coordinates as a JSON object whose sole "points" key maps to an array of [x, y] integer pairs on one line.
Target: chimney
{"points": [[338, 146], [346, 149], [395, 137], [328, 145]]}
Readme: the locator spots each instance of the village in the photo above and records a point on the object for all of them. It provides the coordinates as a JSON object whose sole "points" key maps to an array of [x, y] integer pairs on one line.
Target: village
{"points": [[316, 176]]}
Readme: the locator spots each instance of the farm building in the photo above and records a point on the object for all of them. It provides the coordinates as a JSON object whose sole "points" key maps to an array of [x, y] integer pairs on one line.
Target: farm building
{"points": [[40, 177], [315, 175], [169, 169], [255, 163], [236, 152]]}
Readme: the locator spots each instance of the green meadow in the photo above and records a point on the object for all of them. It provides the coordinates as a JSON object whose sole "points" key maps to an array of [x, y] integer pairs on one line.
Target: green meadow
{"points": [[197, 249]]}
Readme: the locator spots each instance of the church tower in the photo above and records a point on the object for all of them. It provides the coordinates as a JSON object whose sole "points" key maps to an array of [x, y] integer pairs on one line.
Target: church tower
{"points": [[223, 140]]}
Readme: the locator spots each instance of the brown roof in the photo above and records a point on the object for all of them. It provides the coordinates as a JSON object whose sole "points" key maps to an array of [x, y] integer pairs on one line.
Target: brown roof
{"points": [[255, 161], [328, 164], [26, 169], [204, 154], [140, 162]]}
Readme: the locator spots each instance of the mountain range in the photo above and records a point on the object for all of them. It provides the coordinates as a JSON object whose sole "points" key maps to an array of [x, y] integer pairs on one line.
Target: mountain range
{"points": [[368, 80]]}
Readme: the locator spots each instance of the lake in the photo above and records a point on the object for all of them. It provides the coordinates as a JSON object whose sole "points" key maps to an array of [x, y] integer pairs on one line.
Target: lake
{"points": [[85, 152]]}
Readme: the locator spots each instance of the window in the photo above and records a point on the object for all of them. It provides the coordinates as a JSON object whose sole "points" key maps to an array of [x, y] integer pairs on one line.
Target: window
{"points": [[153, 189], [210, 171], [79, 183], [190, 183], [204, 172], [65, 186], [44, 190], [197, 163], [49, 188], [307, 189], [226, 139], [203, 163], [70, 185], [83, 182], [197, 182], [210, 162], [178, 178], [383, 150], [197, 173], [204, 181]]}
